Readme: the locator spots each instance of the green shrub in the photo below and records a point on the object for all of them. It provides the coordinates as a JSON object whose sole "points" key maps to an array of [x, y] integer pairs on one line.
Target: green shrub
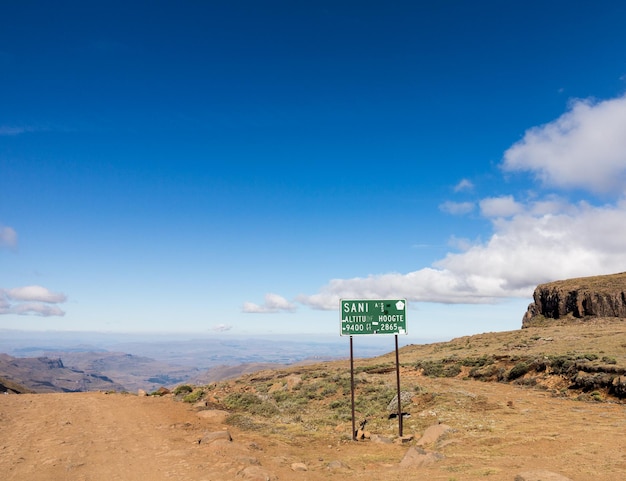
{"points": [[596, 396], [251, 403], [477, 361], [444, 368], [561, 364], [518, 370], [194, 396], [243, 422], [183, 389], [241, 401]]}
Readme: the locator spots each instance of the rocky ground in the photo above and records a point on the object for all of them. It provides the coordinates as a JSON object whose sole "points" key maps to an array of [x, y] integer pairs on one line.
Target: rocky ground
{"points": [[496, 431], [500, 406]]}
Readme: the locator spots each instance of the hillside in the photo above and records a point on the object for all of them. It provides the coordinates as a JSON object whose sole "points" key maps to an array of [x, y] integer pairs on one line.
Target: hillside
{"points": [[500, 406], [577, 300], [43, 374]]}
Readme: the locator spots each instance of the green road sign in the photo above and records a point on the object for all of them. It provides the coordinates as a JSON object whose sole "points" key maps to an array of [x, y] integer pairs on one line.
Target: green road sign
{"points": [[366, 316]]}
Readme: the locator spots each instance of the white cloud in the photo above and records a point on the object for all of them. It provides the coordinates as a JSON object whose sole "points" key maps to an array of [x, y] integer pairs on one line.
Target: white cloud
{"points": [[35, 300], [504, 206], [538, 240], [584, 148], [273, 303], [457, 208], [523, 251], [38, 309], [464, 185], [222, 327], [35, 293], [8, 237]]}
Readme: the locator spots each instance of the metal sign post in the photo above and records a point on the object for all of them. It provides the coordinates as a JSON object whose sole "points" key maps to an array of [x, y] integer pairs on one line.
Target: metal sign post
{"points": [[352, 389], [399, 393], [370, 317]]}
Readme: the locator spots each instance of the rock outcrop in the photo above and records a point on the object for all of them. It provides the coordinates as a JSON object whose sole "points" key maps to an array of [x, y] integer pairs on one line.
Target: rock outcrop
{"points": [[584, 297]]}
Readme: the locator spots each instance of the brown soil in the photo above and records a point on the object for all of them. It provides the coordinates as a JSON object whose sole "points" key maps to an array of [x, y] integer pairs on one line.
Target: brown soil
{"points": [[500, 430]]}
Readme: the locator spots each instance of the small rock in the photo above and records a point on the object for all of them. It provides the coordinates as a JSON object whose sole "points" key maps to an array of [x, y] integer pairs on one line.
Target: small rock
{"points": [[299, 467], [376, 438], [407, 438], [214, 415], [256, 473], [208, 438], [540, 475], [141, 393], [337, 465]]}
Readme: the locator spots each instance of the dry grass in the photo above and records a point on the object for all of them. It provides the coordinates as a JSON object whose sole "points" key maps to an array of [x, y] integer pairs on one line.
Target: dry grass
{"points": [[605, 283], [315, 400]]}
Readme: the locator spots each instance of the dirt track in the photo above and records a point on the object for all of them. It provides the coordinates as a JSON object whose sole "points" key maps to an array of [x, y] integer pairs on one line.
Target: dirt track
{"points": [[500, 430]]}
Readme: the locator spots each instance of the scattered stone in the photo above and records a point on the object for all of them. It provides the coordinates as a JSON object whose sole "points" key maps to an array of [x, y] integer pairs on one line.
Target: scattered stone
{"points": [[405, 399], [299, 467], [540, 475], [162, 391], [433, 434], [407, 438], [376, 438], [208, 438], [141, 393], [337, 465], [200, 405], [213, 415], [293, 381], [417, 457], [256, 473]]}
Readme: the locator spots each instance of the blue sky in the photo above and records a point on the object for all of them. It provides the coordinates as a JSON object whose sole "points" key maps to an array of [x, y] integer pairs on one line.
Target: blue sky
{"points": [[238, 167]]}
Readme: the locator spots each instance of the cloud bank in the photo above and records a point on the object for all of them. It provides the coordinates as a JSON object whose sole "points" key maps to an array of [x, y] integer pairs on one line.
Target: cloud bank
{"points": [[585, 148], [542, 239], [273, 303], [34, 300]]}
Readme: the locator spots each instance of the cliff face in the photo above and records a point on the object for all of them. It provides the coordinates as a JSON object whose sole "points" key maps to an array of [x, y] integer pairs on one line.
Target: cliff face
{"points": [[598, 296]]}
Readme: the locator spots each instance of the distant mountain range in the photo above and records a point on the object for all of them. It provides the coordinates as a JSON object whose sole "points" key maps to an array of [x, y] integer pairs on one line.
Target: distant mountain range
{"points": [[67, 362], [42, 374]]}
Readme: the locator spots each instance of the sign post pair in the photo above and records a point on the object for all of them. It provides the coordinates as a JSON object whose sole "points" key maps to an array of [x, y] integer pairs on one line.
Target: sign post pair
{"points": [[371, 317]]}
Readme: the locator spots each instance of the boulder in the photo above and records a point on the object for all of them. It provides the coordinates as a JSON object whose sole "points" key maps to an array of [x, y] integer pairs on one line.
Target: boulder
{"points": [[433, 434], [417, 457], [580, 298]]}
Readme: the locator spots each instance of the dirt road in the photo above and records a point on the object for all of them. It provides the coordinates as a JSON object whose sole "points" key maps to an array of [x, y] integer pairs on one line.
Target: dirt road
{"points": [[499, 431]]}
